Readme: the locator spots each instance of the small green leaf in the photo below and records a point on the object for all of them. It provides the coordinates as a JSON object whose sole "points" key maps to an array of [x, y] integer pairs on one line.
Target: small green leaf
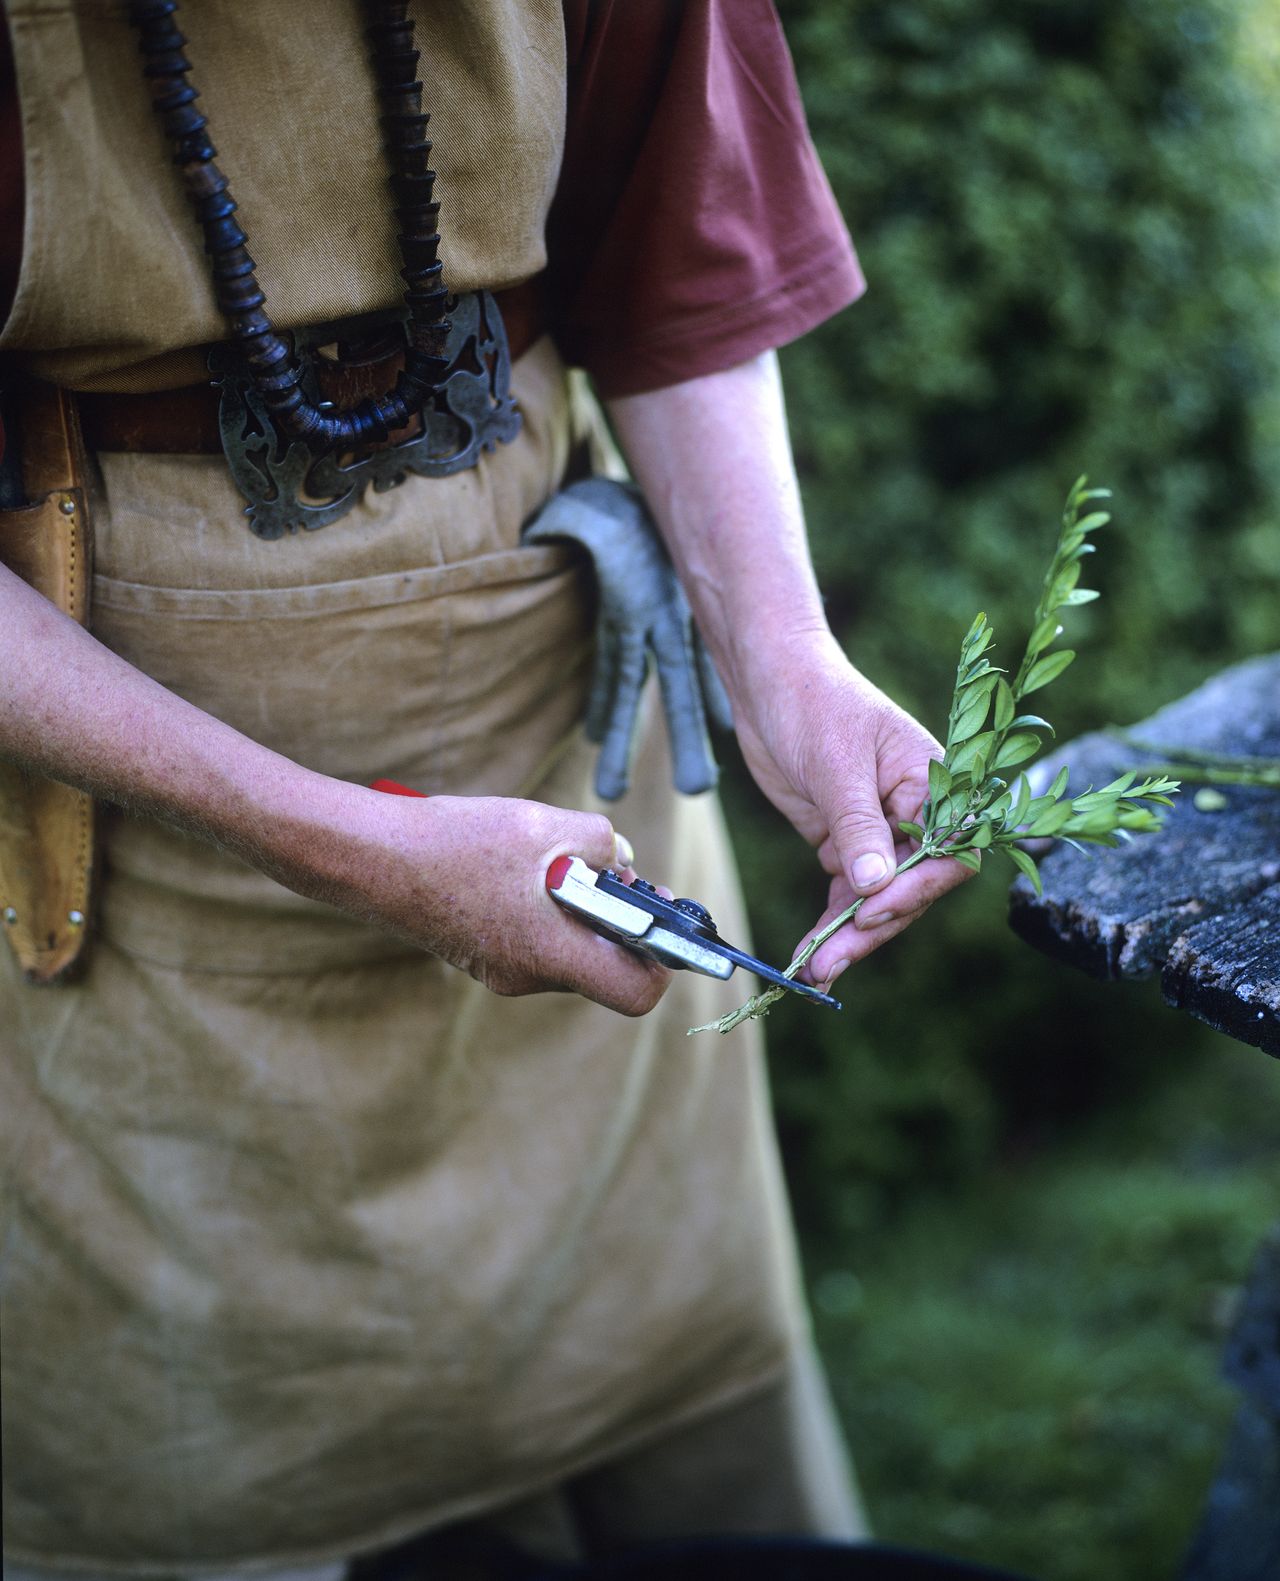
{"points": [[912, 829], [1025, 865], [969, 859], [1093, 521], [1051, 820], [1045, 633], [939, 780], [1047, 669], [1021, 802], [982, 836], [1016, 749], [971, 717], [1064, 582], [979, 646], [1003, 716], [981, 684], [1032, 719], [998, 810], [1081, 595], [1092, 801], [1141, 819], [948, 811], [965, 756], [1059, 783], [1094, 820]]}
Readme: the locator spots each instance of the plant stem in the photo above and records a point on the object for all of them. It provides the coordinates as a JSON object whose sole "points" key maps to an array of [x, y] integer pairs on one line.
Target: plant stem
{"points": [[759, 1003]]}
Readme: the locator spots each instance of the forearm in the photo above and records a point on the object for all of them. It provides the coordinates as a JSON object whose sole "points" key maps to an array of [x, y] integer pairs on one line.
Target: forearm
{"points": [[73, 710], [830, 750], [463, 877], [714, 461]]}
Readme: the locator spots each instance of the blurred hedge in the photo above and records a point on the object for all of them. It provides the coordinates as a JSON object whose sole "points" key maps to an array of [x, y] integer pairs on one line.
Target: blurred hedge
{"points": [[1066, 210]]}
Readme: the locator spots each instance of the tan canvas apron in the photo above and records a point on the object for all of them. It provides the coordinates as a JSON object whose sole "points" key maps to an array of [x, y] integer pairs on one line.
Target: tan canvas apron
{"points": [[306, 1240]]}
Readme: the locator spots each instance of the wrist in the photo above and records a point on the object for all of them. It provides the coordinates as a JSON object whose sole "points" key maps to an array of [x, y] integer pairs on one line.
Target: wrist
{"points": [[789, 664], [321, 836]]}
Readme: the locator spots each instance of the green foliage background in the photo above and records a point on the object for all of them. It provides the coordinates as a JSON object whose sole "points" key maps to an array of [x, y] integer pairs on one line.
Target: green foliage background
{"points": [[1066, 210]]}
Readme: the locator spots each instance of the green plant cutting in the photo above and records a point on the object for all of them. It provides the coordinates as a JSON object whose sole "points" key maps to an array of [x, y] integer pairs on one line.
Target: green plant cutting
{"points": [[972, 807]]}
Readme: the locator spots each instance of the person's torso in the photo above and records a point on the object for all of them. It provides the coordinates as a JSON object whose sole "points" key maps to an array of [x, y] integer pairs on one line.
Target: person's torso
{"points": [[115, 290]]}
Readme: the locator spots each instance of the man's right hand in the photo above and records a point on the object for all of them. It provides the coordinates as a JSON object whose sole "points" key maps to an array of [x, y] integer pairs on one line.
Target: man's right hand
{"points": [[463, 877]]}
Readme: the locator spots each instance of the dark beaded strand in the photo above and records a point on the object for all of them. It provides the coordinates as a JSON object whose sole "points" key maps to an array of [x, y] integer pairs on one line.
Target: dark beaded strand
{"points": [[275, 372]]}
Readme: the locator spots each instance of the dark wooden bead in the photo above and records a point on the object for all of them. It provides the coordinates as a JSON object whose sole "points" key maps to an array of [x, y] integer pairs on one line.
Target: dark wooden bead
{"points": [[222, 235], [203, 179], [272, 366], [400, 103], [420, 255], [169, 62], [248, 322], [213, 205], [183, 119], [240, 296]]}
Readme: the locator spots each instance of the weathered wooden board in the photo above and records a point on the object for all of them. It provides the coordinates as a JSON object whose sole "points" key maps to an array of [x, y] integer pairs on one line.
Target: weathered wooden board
{"points": [[1199, 902]]}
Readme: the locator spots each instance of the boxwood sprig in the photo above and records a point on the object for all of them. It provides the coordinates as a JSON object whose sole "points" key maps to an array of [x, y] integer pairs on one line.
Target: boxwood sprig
{"points": [[971, 806]]}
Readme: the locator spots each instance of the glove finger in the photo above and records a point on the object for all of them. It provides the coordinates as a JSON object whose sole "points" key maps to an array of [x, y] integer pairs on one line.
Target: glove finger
{"points": [[613, 768], [694, 767], [604, 681]]}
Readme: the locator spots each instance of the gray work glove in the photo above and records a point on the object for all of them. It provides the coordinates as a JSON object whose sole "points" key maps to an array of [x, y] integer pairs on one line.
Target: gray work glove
{"points": [[643, 612]]}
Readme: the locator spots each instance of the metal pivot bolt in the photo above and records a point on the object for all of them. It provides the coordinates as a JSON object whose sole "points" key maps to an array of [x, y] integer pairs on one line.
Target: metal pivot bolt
{"points": [[67, 505], [10, 915], [76, 918]]}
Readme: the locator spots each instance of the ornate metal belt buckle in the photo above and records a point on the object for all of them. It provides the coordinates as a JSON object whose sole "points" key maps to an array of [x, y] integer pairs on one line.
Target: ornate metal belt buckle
{"points": [[288, 487]]}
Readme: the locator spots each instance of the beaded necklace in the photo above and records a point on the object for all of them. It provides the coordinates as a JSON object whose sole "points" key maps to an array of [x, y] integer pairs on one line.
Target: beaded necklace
{"points": [[260, 373], [274, 369]]}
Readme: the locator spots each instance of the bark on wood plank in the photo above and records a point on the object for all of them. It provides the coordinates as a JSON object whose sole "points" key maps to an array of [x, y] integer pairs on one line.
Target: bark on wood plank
{"points": [[1199, 902]]}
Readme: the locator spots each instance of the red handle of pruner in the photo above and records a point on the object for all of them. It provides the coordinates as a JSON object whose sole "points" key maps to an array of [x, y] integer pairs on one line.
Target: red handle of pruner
{"points": [[395, 788]]}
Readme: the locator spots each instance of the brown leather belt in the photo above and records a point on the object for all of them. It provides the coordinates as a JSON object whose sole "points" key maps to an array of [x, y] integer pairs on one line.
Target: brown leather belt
{"points": [[185, 422]]}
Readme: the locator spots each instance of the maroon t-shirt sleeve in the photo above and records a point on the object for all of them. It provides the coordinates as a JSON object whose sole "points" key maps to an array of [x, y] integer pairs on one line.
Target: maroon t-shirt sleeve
{"points": [[693, 227]]}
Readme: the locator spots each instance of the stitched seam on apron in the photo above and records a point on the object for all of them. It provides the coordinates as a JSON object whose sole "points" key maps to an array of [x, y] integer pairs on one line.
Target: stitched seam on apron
{"points": [[511, 567]]}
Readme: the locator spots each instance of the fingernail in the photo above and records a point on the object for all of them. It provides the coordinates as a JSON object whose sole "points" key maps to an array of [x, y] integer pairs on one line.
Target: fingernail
{"points": [[876, 919], [623, 851], [869, 869]]}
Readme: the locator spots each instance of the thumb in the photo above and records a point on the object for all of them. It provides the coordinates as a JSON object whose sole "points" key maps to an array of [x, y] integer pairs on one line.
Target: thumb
{"points": [[862, 838], [593, 837]]}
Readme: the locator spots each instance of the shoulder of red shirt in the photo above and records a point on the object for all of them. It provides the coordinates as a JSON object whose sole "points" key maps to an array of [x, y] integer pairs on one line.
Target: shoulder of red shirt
{"points": [[693, 226]]}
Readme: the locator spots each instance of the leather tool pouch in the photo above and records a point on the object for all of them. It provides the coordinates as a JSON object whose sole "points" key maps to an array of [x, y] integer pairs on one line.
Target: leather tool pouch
{"points": [[47, 828]]}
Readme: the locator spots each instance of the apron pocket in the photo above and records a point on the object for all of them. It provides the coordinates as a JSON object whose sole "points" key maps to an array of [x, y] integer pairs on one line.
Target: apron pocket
{"points": [[463, 679]]}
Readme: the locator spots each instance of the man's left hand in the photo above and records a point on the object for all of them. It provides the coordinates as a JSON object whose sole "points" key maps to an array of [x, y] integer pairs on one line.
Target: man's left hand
{"points": [[847, 766]]}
